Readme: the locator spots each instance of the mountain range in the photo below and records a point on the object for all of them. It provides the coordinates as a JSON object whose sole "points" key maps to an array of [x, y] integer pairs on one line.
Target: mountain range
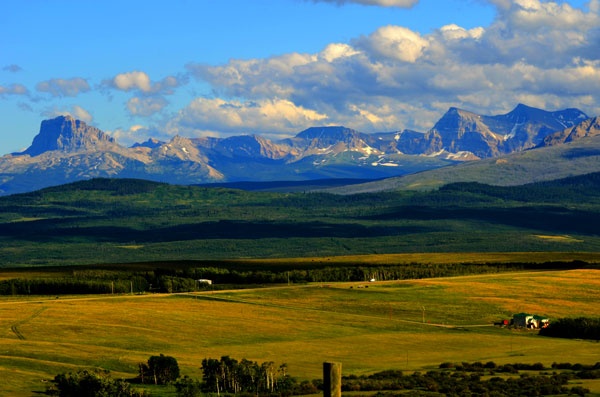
{"points": [[67, 150]]}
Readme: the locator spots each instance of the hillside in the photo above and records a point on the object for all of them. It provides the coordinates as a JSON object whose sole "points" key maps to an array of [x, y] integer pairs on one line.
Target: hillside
{"points": [[547, 163], [117, 221], [410, 325]]}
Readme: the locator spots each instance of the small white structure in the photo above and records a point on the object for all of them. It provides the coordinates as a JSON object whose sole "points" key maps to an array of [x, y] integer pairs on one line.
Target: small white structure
{"points": [[204, 281]]}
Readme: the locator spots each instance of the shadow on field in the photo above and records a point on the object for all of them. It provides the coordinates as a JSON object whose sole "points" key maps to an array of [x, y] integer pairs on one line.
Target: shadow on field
{"points": [[44, 230], [546, 218]]}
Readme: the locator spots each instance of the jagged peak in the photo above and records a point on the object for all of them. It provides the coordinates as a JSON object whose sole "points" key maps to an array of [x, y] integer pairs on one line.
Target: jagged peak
{"points": [[522, 107], [149, 143], [454, 111]]}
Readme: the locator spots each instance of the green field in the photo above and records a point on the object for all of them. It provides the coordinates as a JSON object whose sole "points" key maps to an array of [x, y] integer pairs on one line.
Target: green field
{"points": [[125, 221], [412, 325]]}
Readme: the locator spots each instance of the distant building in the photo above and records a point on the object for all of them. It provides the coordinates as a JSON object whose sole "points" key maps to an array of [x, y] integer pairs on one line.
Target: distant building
{"points": [[204, 281], [532, 321]]}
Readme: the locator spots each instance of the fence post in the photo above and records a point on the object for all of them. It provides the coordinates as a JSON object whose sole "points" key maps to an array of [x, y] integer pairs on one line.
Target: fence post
{"points": [[332, 379]]}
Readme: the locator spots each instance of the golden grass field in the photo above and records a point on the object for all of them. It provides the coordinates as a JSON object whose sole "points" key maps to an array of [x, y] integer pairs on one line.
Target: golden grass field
{"points": [[407, 325]]}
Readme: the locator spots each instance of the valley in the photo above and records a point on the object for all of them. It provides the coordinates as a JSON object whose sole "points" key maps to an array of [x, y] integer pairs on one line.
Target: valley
{"points": [[122, 221]]}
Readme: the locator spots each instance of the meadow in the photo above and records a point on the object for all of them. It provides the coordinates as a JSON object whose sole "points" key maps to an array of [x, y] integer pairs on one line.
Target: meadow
{"points": [[410, 325]]}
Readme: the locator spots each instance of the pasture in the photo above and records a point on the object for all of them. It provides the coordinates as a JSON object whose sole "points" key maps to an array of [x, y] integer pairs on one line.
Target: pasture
{"points": [[411, 325]]}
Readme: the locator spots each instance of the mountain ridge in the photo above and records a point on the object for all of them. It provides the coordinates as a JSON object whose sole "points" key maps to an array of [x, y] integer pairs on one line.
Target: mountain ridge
{"points": [[66, 150]]}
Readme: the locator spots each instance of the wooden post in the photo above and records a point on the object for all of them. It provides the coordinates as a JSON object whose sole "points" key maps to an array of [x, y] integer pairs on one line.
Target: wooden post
{"points": [[332, 379]]}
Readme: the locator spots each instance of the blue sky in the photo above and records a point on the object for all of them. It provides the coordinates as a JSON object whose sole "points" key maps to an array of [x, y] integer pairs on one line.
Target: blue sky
{"points": [[139, 69]]}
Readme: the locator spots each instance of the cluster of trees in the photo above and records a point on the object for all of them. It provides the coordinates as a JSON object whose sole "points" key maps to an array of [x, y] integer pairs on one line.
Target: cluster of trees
{"points": [[573, 328], [465, 384], [465, 379], [92, 384], [245, 377], [159, 370], [229, 375], [184, 280]]}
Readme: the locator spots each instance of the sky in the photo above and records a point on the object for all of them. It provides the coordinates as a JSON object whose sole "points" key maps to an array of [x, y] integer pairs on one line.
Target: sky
{"points": [[139, 69]]}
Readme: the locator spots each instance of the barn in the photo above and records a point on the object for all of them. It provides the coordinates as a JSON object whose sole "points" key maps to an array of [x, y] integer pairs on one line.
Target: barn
{"points": [[532, 321]]}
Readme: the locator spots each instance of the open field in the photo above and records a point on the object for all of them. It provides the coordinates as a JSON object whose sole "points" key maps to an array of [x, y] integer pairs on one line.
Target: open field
{"points": [[408, 325]]}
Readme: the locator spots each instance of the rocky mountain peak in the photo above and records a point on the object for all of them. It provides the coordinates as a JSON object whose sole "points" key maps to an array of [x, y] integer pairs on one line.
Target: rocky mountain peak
{"points": [[587, 128], [150, 143], [64, 133]]}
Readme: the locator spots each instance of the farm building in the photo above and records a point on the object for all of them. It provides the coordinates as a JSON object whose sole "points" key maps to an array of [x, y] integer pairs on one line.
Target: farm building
{"points": [[527, 320], [204, 281]]}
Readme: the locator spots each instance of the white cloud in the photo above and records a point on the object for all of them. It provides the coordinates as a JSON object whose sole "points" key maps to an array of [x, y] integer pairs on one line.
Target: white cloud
{"points": [[395, 43], [13, 89], [64, 87], [531, 15], [132, 80], [140, 81], [455, 32], [77, 112], [533, 52], [269, 117], [380, 3], [337, 51], [135, 133], [146, 106]]}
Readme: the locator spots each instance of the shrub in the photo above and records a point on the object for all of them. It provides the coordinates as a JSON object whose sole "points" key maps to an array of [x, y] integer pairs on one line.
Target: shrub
{"points": [[91, 384]]}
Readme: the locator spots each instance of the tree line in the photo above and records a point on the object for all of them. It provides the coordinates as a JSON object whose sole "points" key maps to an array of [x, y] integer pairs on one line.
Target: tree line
{"points": [[221, 376], [185, 280], [229, 376], [573, 328]]}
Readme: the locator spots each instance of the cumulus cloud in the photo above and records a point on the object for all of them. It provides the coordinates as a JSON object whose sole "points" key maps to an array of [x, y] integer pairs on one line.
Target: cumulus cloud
{"points": [[140, 81], [64, 87], [536, 52], [268, 117], [146, 106], [380, 3], [394, 43], [77, 112], [132, 80], [135, 134], [13, 89]]}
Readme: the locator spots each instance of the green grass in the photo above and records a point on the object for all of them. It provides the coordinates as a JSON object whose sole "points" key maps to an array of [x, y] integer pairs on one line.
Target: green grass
{"points": [[367, 326], [120, 221]]}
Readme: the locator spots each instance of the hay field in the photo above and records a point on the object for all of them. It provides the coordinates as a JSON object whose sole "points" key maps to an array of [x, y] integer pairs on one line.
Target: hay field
{"points": [[407, 325]]}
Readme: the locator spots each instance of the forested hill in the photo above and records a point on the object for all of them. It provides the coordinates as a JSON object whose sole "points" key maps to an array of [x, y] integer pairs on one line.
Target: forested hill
{"points": [[565, 189], [571, 189], [118, 220]]}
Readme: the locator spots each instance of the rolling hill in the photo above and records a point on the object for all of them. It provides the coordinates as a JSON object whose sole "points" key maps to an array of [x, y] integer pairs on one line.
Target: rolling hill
{"points": [[578, 157], [123, 221]]}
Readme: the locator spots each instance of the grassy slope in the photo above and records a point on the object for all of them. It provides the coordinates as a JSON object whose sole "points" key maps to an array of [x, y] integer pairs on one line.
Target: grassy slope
{"points": [[575, 158], [376, 327], [117, 221]]}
